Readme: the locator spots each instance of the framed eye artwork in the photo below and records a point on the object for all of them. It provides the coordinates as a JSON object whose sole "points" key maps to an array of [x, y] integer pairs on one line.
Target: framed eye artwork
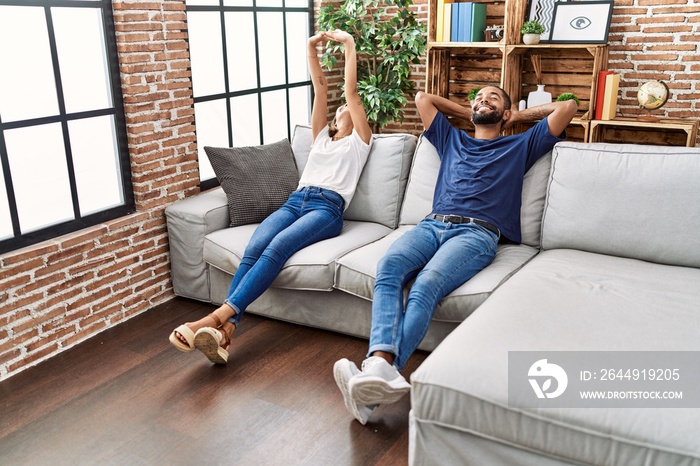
{"points": [[585, 22]]}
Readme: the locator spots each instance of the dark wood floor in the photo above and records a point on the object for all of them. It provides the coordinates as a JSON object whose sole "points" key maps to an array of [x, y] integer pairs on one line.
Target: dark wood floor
{"points": [[128, 397]]}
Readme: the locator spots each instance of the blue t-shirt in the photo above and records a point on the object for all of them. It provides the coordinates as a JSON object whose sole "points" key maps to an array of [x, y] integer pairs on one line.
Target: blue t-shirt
{"points": [[483, 178]]}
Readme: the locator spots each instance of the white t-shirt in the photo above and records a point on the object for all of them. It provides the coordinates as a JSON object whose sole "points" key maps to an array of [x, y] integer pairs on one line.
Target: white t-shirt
{"points": [[336, 165]]}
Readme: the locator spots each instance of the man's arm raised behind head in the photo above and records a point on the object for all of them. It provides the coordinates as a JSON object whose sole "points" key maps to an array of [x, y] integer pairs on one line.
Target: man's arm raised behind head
{"points": [[560, 115], [429, 104]]}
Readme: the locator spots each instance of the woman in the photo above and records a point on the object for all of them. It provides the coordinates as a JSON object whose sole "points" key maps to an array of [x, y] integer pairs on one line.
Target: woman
{"points": [[312, 213]]}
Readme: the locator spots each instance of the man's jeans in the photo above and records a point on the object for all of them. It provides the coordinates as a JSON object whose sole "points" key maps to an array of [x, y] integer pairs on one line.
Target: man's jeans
{"points": [[310, 215], [446, 255]]}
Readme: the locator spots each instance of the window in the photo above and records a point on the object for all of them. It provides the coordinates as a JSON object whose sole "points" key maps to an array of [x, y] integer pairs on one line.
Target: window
{"points": [[249, 72], [63, 145]]}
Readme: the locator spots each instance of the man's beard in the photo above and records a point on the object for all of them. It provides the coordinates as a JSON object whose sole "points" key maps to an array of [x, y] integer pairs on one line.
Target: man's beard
{"points": [[489, 118]]}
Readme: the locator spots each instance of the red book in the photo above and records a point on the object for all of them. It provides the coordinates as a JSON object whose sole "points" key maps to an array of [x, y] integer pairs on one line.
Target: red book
{"points": [[600, 94]]}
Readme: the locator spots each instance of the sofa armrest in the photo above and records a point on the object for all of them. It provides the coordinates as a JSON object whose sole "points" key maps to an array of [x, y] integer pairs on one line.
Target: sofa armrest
{"points": [[189, 221]]}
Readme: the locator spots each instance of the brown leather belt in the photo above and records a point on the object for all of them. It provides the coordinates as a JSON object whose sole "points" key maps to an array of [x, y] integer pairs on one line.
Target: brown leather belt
{"points": [[458, 219]]}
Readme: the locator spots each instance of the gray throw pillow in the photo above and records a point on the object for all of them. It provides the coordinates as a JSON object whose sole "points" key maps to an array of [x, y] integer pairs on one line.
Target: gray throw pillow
{"points": [[257, 180]]}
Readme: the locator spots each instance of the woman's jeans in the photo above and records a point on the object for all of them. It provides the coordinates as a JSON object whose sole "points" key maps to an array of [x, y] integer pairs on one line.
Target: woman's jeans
{"points": [[310, 215], [441, 256]]}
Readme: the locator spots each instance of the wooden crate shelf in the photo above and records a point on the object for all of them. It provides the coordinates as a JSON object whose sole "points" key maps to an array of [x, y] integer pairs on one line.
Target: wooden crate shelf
{"points": [[577, 131], [454, 71], [665, 132], [454, 68], [572, 68]]}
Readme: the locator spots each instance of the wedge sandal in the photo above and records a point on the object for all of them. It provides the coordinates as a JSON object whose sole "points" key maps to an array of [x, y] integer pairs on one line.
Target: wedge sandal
{"points": [[213, 343], [187, 334]]}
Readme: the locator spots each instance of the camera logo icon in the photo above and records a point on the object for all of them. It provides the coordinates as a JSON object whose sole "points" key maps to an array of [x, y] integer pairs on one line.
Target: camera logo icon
{"points": [[546, 372]]}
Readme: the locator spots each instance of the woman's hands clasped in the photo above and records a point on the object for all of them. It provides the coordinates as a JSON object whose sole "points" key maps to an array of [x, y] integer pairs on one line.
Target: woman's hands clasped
{"points": [[336, 35]]}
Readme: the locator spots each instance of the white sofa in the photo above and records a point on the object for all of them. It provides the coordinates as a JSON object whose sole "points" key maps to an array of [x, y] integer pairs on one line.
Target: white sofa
{"points": [[610, 260], [618, 271], [330, 284]]}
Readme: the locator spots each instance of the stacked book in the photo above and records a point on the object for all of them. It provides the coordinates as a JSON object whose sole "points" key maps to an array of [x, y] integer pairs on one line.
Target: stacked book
{"points": [[460, 21], [606, 95]]}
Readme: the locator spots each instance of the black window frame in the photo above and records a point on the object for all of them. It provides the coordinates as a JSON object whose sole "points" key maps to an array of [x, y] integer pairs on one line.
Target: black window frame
{"points": [[20, 240], [259, 90]]}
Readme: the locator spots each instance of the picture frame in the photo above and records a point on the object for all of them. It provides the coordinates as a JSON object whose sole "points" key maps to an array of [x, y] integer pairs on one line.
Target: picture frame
{"points": [[543, 11], [581, 22]]}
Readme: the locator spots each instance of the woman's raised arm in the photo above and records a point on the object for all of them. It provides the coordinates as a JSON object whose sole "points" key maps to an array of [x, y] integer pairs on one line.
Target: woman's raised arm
{"points": [[319, 113], [357, 110]]}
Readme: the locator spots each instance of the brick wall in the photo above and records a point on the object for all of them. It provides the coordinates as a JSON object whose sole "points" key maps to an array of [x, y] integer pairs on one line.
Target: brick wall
{"points": [[657, 39], [58, 293]]}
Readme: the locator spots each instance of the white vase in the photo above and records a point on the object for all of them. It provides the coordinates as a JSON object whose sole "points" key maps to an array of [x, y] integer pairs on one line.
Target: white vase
{"points": [[531, 39], [539, 97]]}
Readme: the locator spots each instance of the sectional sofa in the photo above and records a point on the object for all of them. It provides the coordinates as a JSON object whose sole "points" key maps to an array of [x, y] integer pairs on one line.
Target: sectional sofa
{"points": [[609, 261]]}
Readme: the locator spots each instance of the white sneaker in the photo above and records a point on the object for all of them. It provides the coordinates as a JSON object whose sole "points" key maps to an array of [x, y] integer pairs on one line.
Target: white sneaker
{"points": [[378, 383], [343, 371]]}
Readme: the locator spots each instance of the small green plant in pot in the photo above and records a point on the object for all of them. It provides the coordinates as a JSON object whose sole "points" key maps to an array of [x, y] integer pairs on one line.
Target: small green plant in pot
{"points": [[532, 27], [531, 31], [472, 94], [569, 96]]}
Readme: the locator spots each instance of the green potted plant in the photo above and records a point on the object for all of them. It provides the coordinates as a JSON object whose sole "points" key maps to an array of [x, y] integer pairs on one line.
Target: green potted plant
{"points": [[389, 39], [569, 96], [531, 32]]}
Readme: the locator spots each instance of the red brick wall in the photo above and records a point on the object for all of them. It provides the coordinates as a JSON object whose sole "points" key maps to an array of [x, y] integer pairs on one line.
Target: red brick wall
{"points": [[657, 39], [58, 293]]}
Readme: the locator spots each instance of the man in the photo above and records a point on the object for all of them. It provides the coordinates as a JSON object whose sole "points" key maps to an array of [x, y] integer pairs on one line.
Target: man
{"points": [[476, 203]]}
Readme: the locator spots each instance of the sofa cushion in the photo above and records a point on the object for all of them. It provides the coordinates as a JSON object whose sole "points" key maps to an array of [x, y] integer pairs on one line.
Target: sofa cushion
{"points": [[357, 270], [532, 207], [312, 268], [381, 186], [301, 146], [569, 301], [625, 200], [257, 180], [418, 201]]}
